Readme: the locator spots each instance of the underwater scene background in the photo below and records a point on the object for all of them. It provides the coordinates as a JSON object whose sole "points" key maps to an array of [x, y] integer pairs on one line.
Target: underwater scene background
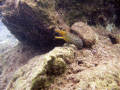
{"points": [[59, 44]]}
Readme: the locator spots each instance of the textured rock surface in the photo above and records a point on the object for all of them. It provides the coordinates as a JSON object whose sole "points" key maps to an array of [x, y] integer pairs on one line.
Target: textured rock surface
{"points": [[64, 68], [31, 21], [114, 36], [34, 20], [85, 32], [40, 71], [94, 12], [96, 68], [12, 59]]}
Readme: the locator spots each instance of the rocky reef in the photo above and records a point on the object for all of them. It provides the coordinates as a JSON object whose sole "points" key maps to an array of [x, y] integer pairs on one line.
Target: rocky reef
{"points": [[12, 59], [31, 21], [68, 68], [34, 21], [37, 63], [41, 70], [85, 32]]}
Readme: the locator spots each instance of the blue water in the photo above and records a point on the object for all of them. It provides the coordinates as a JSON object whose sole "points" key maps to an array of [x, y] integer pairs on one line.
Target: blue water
{"points": [[7, 40], [6, 35]]}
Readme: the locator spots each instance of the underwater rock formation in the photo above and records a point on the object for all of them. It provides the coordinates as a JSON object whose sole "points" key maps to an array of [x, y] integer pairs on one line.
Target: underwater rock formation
{"points": [[85, 32], [34, 21], [63, 68], [31, 21], [95, 68], [94, 12], [12, 59], [68, 68], [40, 71]]}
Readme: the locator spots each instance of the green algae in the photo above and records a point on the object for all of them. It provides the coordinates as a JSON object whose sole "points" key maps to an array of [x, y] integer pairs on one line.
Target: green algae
{"points": [[41, 82], [39, 73], [56, 67]]}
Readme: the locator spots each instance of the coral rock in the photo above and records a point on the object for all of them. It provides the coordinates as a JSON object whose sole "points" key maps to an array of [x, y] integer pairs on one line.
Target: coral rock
{"points": [[40, 71], [85, 32], [31, 21]]}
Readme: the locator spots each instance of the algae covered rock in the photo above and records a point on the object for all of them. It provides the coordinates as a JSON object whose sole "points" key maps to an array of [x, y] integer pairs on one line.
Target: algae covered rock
{"points": [[94, 69], [40, 71], [31, 21], [85, 32], [12, 59], [56, 67], [94, 12]]}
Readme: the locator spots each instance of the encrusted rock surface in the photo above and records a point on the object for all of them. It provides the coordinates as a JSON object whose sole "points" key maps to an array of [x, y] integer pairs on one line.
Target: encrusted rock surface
{"points": [[96, 68], [40, 71], [85, 32], [63, 68], [32, 21], [12, 59], [66, 67]]}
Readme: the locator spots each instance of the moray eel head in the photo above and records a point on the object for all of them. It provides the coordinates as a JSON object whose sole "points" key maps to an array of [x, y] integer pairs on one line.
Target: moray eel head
{"points": [[70, 38]]}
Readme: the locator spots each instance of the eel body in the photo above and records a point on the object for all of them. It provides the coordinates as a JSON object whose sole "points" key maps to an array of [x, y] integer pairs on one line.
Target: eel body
{"points": [[70, 38]]}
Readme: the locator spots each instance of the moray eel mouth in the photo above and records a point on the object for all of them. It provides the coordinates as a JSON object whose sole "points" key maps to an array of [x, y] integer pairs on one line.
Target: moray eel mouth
{"points": [[61, 33]]}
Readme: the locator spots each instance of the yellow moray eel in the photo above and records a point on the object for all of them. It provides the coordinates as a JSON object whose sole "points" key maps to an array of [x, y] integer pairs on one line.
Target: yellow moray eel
{"points": [[70, 38]]}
